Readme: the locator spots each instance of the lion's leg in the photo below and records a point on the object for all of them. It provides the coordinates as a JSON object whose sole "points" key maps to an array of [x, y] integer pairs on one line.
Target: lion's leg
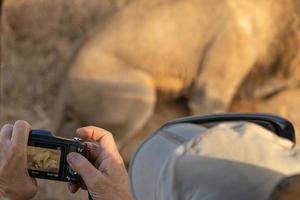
{"points": [[225, 64], [106, 92]]}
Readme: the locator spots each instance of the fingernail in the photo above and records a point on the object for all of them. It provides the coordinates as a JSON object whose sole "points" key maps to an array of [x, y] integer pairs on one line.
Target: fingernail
{"points": [[78, 129], [71, 157]]}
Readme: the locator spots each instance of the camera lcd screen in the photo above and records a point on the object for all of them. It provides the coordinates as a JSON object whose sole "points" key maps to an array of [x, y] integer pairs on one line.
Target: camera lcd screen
{"points": [[43, 159]]}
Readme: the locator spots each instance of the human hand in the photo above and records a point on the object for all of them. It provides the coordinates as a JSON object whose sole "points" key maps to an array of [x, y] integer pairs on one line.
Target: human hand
{"points": [[15, 182], [107, 177]]}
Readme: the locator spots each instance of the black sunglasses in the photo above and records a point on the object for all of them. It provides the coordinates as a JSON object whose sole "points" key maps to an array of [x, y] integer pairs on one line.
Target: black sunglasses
{"points": [[278, 125]]}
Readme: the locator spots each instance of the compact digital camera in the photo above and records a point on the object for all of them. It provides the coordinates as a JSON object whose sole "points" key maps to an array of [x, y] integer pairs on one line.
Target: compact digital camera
{"points": [[46, 156]]}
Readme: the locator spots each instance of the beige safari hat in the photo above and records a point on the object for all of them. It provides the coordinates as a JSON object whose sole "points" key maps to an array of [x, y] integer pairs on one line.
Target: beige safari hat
{"points": [[231, 160]]}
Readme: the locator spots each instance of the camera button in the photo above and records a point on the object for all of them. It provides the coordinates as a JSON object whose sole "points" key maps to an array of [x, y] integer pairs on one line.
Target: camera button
{"points": [[72, 172], [77, 139], [80, 149]]}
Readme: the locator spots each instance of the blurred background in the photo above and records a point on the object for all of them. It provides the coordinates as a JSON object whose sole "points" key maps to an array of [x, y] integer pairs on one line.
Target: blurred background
{"points": [[131, 65]]}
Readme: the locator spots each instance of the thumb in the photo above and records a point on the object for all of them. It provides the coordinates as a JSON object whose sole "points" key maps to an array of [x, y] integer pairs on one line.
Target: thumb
{"points": [[82, 166]]}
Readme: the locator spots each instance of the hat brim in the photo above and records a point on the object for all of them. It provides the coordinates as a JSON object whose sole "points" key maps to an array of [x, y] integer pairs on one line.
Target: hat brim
{"points": [[153, 153]]}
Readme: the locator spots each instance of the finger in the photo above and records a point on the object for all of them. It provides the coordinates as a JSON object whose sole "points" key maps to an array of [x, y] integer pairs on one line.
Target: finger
{"points": [[93, 151], [34, 181], [102, 136], [82, 166], [73, 187], [103, 161], [83, 186], [106, 156], [91, 133], [6, 132], [20, 134]]}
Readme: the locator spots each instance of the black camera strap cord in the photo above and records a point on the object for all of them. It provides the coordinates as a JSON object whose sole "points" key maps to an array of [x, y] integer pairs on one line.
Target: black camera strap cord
{"points": [[90, 197]]}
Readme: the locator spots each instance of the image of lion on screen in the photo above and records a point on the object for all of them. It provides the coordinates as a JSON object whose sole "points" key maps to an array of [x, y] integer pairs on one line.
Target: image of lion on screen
{"points": [[43, 159]]}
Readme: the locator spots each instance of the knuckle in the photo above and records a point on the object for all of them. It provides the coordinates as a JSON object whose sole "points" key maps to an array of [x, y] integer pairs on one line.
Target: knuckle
{"points": [[2, 170], [16, 150], [95, 180], [90, 128], [109, 135], [18, 153], [13, 148], [5, 161], [9, 155]]}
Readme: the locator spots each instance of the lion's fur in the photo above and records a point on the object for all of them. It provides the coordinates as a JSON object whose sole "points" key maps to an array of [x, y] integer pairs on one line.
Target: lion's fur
{"points": [[280, 70]]}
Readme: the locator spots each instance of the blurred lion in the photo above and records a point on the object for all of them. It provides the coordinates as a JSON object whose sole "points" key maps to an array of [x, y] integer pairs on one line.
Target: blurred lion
{"points": [[110, 62]]}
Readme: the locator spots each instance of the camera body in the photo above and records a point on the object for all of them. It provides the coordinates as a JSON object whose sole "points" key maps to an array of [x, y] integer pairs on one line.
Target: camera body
{"points": [[47, 155]]}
